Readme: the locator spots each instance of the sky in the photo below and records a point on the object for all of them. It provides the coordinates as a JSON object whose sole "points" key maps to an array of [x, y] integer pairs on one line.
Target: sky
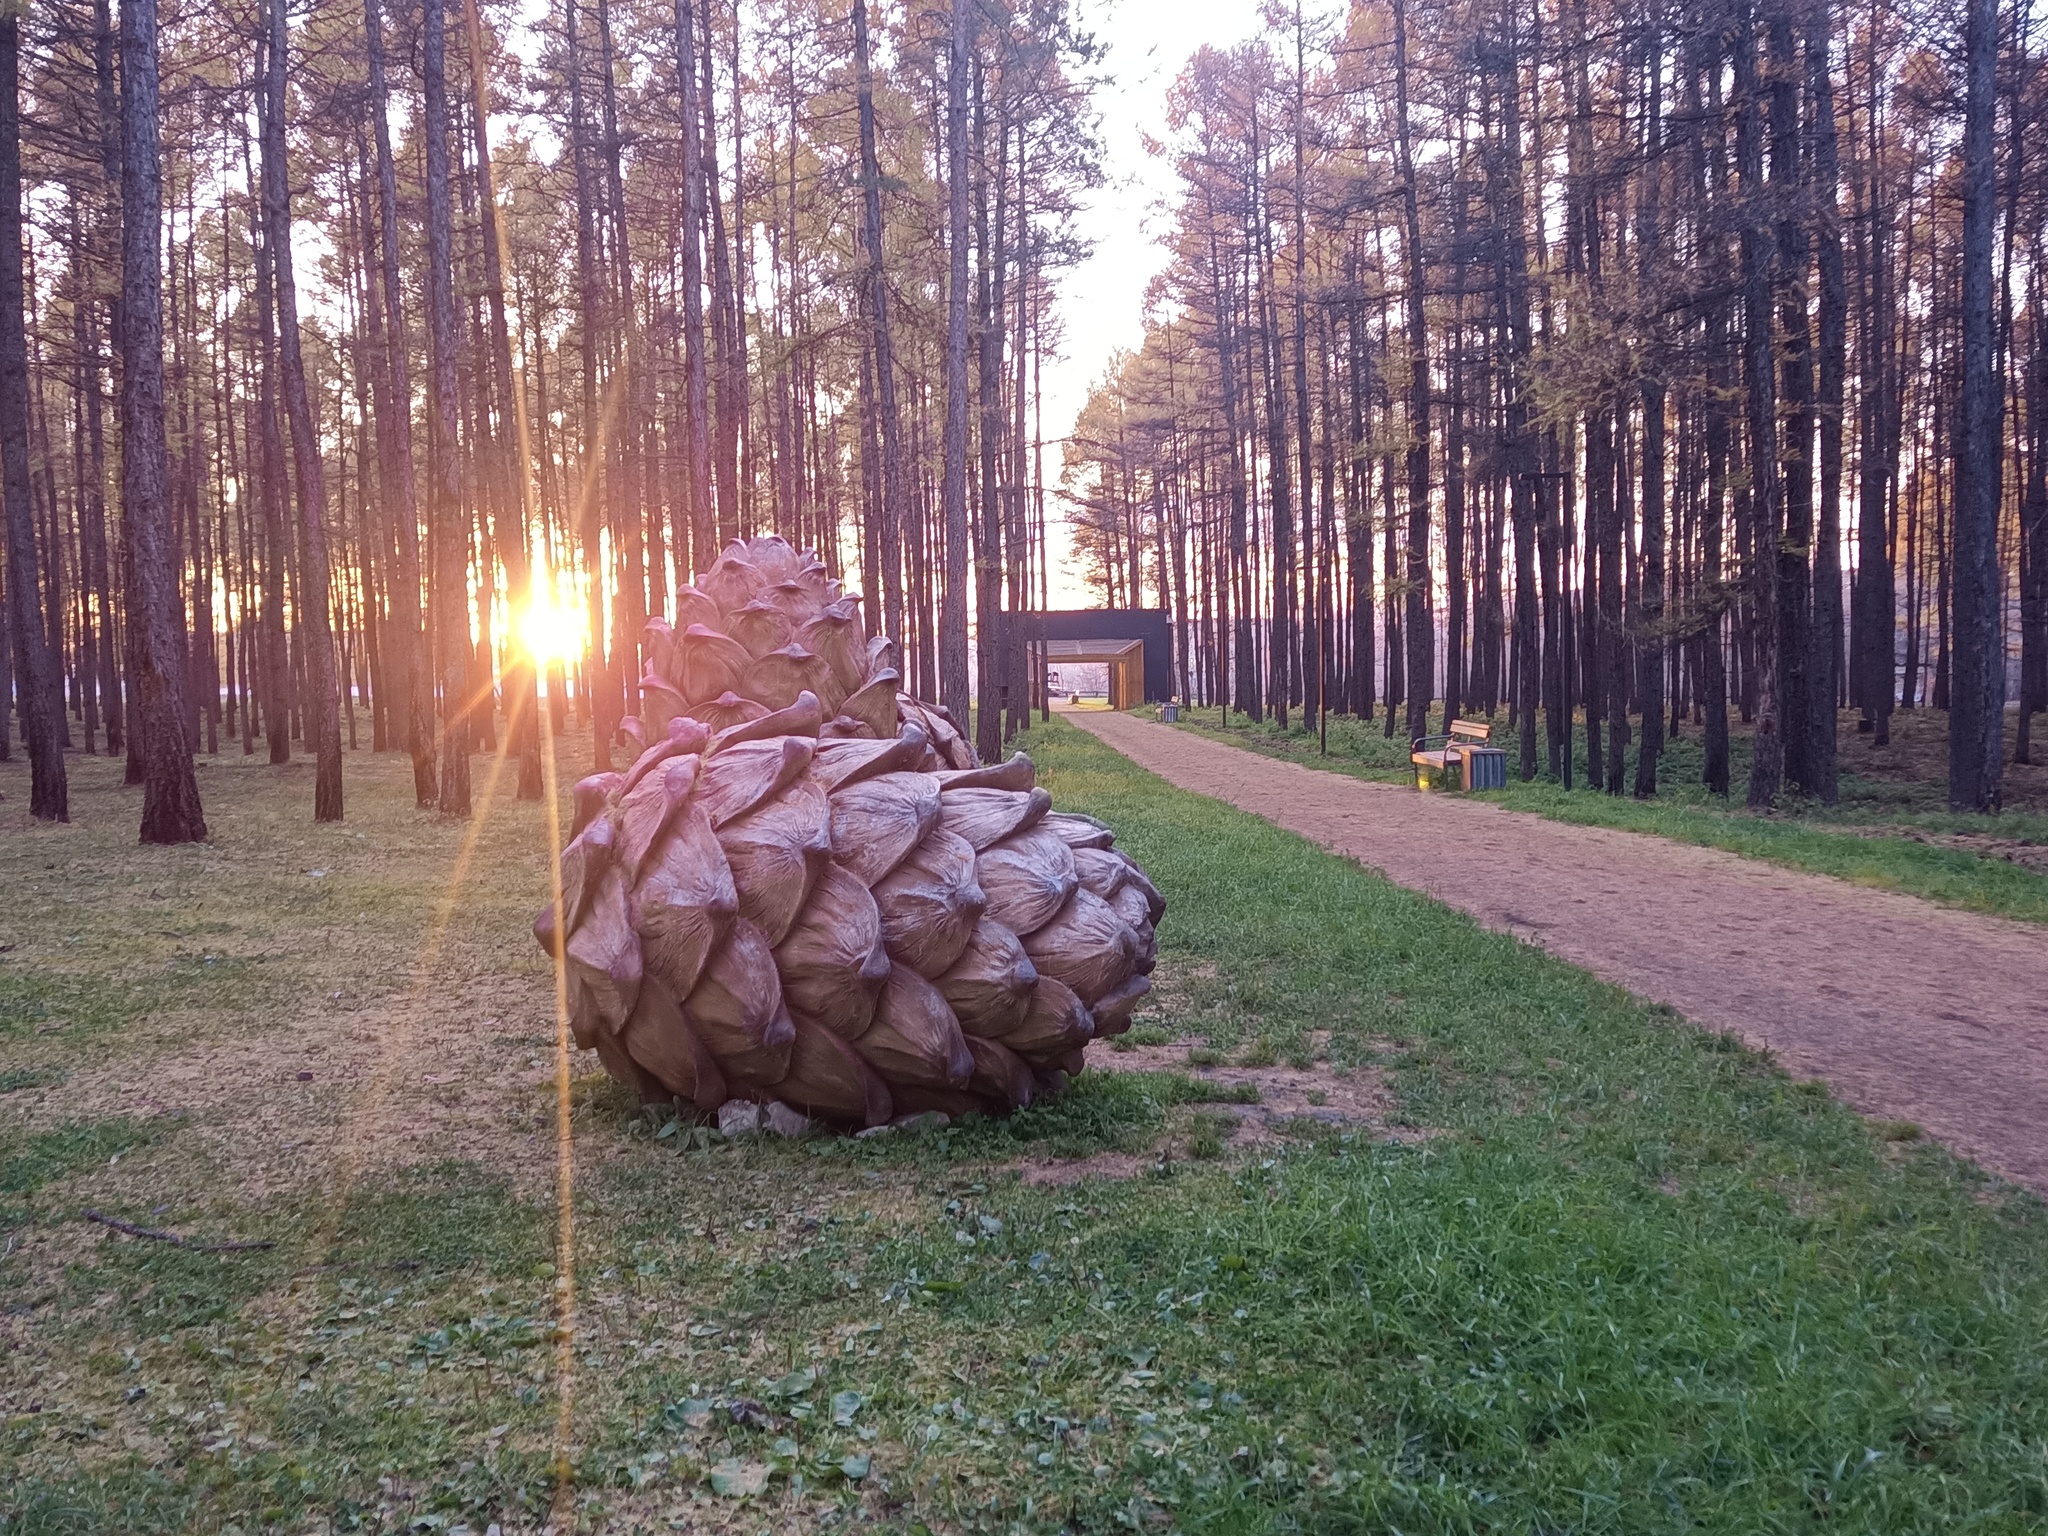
{"points": [[1146, 44]]}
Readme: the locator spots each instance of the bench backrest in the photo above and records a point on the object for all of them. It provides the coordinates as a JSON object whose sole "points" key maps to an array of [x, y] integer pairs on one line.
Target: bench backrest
{"points": [[1471, 730]]}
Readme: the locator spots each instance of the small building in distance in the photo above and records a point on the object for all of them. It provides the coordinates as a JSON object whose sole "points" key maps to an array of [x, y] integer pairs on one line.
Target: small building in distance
{"points": [[1134, 644]]}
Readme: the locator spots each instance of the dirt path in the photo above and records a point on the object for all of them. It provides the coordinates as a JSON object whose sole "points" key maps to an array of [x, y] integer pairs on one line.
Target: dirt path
{"points": [[1911, 1011]]}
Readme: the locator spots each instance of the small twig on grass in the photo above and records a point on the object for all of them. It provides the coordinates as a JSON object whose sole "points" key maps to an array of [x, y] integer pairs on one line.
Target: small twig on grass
{"points": [[172, 1238]]}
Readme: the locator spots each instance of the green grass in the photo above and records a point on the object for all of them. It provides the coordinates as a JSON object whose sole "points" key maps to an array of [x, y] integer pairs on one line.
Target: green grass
{"points": [[1632, 1279], [1886, 833], [28, 1161]]}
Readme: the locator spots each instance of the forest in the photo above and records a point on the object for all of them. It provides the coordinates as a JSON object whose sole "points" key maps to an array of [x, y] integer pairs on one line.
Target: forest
{"points": [[1622, 365], [1627, 366], [348, 345], [635, 1011]]}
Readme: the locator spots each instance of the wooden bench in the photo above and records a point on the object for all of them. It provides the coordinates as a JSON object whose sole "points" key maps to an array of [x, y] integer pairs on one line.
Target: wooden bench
{"points": [[1465, 752]]}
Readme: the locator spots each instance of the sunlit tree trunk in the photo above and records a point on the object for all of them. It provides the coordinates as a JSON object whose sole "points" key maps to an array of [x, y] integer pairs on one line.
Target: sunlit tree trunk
{"points": [[450, 515], [321, 703], [171, 811], [411, 680]]}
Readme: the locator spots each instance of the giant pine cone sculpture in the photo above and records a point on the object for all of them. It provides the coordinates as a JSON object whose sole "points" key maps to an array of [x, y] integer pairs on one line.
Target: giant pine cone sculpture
{"points": [[806, 889]]}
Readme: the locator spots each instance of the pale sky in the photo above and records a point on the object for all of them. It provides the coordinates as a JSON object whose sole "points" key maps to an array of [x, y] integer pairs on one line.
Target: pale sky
{"points": [[1147, 43]]}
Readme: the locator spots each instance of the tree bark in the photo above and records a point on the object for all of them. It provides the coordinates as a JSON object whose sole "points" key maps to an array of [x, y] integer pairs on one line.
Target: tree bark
{"points": [[322, 706], [1794, 550], [696, 402], [1977, 681], [450, 515], [1821, 678], [1649, 638], [990, 638], [514, 521], [2034, 546], [1767, 753], [953, 599], [411, 680], [598, 678], [1421, 633], [35, 676], [887, 545], [171, 811]]}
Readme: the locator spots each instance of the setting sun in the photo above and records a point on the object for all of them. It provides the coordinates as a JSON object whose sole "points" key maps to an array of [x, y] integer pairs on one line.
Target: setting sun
{"points": [[550, 630]]}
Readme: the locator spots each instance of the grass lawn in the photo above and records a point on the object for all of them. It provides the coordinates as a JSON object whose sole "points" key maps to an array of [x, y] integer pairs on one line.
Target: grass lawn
{"points": [[1891, 831], [1611, 1275]]}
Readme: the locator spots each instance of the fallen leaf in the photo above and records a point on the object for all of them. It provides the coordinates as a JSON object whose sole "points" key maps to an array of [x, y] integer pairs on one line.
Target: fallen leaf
{"points": [[733, 1478], [795, 1384]]}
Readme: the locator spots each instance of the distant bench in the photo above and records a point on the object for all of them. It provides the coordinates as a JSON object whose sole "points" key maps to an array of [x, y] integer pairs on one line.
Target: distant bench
{"points": [[1464, 761]]}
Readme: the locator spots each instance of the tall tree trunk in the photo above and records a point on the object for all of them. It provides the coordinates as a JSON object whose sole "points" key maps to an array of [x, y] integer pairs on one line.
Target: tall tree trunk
{"points": [[2034, 542], [1821, 679], [590, 501], [1715, 593], [729, 353], [171, 812], [272, 494], [1310, 672], [450, 515], [1421, 633], [1235, 584], [35, 672], [1794, 550], [1767, 752], [696, 403], [627, 419], [411, 680], [322, 706], [888, 542], [514, 521], [1010, 640], [1279, 473], [1511, 219], [990, 641], [1358, 549], [1876, 614], [953, 600], [1651, 646], [1976, 738], [35, 677]]}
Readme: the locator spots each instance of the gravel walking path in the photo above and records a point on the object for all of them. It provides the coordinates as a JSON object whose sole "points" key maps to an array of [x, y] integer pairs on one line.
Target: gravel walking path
{"points": [[1909, 1010]]}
